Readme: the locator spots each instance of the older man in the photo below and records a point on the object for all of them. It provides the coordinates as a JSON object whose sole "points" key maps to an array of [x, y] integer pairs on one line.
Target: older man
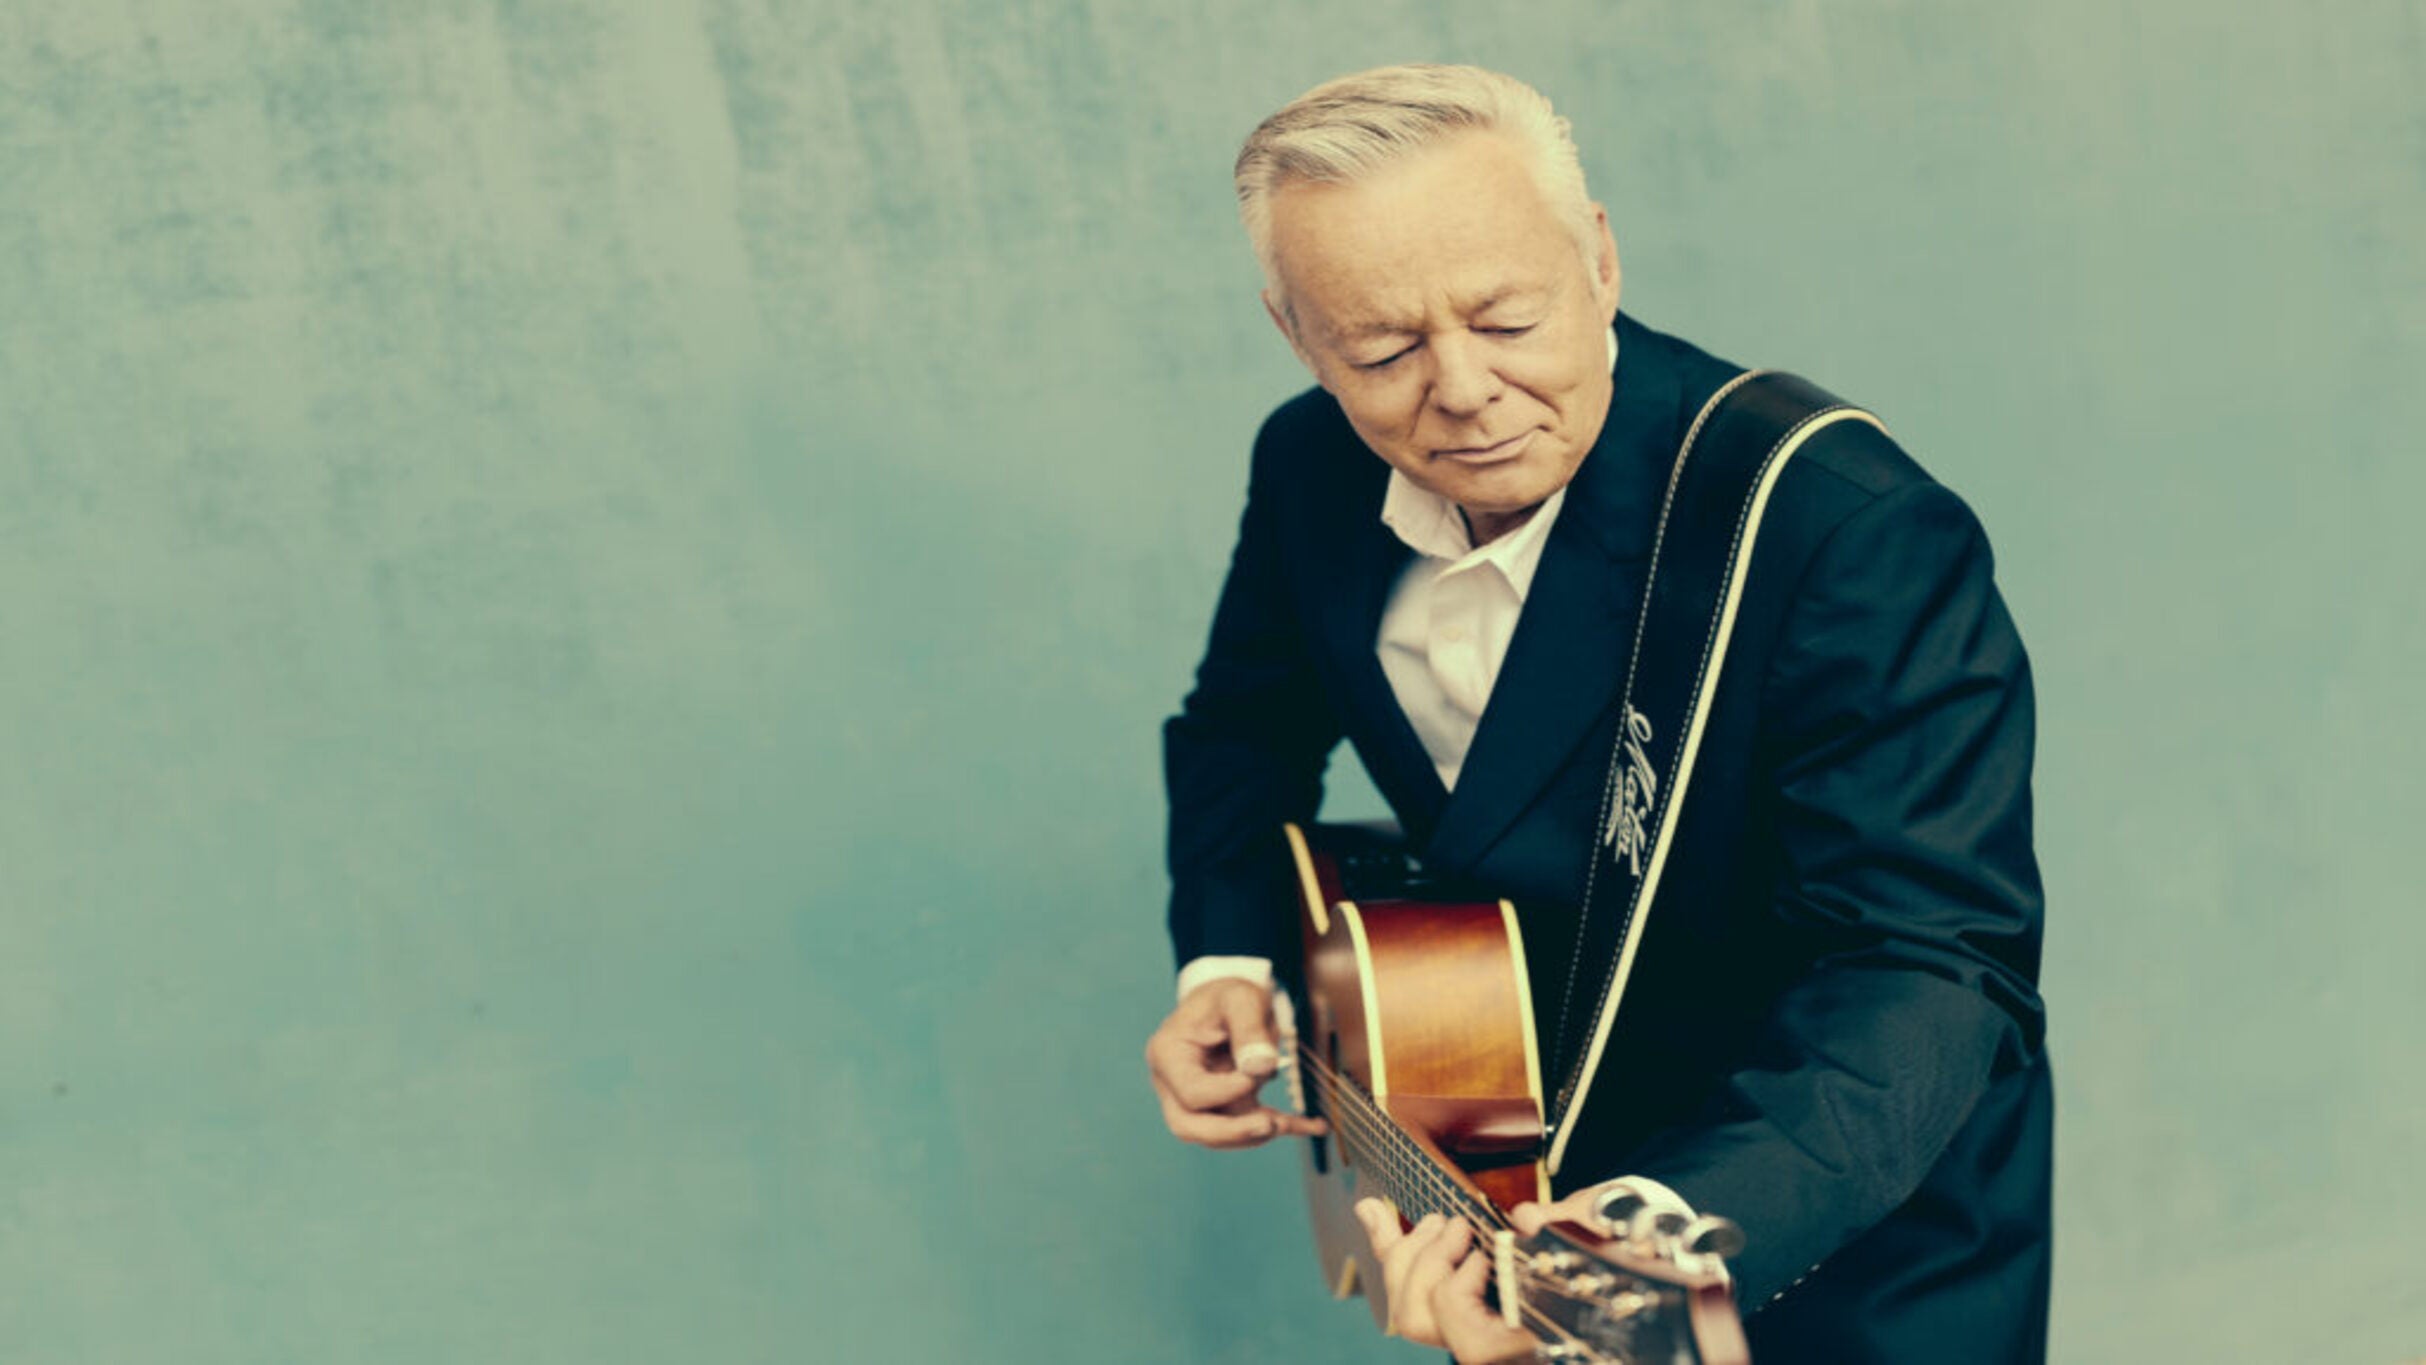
{"points": [[1832, 1032]]}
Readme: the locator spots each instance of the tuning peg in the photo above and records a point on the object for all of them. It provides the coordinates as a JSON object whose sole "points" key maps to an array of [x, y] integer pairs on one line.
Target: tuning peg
{"points": [[1711, 1235], [1617, 1206], [1652, 1226], [1556, 1262]]}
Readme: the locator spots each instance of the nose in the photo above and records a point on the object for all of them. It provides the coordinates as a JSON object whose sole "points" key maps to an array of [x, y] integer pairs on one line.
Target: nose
{"points": [[1463, 382]]}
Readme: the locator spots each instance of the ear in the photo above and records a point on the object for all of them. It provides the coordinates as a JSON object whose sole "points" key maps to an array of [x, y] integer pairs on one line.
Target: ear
{"points": [[1605, 275], [1288, 332]]}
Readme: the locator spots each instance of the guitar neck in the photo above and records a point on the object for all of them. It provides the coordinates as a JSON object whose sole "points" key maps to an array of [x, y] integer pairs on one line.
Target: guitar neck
{"points": [[1402, 1165]]}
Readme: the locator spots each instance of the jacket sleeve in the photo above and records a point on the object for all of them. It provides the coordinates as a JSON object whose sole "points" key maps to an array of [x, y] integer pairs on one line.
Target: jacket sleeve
{"points": [[1248, 747], [1897, 736]]}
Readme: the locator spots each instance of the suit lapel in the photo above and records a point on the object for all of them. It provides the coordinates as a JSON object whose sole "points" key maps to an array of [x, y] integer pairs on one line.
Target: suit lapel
{"points": [[1566, 662], [1364, 561]]}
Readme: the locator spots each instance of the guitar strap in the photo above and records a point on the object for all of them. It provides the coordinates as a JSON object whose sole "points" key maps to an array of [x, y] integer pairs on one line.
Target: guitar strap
{"points": [[1717, 491]]}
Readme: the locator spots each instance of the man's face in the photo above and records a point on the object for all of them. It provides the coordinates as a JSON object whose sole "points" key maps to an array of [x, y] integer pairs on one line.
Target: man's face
{"points": [[1443, 302]]}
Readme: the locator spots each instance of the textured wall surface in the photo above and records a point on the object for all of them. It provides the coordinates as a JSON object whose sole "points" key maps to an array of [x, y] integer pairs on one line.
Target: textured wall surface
{"points": [[586, 591]]}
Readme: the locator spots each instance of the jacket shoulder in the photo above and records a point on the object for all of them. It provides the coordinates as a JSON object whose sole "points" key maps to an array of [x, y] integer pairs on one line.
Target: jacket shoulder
{"points": [[1845, 467], [1305, 448], [1310, 418]]}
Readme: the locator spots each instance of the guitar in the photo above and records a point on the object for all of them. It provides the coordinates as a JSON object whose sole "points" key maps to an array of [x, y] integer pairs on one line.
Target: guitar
{"points": [[1415, 1041]]}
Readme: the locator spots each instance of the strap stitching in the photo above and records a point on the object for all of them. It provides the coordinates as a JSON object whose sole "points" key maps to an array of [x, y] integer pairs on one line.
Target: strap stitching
{"points": [[1634, 907], [1609, 784]]}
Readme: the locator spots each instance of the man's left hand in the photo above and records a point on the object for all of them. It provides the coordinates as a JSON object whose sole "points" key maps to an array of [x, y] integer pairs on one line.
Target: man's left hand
{"points": [[1435, 1275]]}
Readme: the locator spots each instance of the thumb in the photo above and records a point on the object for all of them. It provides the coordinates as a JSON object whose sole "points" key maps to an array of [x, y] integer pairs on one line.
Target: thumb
{"points": [[1246, 1014]]}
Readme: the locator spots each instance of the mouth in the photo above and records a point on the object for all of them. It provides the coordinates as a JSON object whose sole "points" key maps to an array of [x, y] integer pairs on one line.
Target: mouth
{"points": [[1500, 453]]}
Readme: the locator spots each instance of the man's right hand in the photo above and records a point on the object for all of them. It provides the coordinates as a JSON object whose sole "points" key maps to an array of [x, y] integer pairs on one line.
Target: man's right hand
{"points": [[1208, 1060]]}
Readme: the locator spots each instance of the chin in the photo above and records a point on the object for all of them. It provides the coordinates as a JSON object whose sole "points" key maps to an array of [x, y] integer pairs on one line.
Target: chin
{"points": [[1504, 490]]}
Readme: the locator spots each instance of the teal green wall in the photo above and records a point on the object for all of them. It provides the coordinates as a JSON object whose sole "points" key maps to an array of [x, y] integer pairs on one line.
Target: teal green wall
{"points": [[586, 591]]}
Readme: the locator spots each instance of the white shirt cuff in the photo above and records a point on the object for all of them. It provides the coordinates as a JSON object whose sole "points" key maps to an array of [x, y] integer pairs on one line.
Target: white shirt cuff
{"points": [[1203, 969]]}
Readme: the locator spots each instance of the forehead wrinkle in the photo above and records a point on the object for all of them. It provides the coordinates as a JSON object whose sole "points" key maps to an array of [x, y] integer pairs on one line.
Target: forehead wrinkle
{"points": [[1386, 324], [1508, 293]]}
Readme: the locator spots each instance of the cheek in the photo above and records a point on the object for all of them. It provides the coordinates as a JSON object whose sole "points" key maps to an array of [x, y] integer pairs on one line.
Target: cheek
{"points": [[1556, 381], [1386, 412]]}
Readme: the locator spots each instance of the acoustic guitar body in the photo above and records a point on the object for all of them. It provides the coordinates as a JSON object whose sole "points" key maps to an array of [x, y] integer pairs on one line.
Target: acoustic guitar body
{"points": [[1424, 1003]]}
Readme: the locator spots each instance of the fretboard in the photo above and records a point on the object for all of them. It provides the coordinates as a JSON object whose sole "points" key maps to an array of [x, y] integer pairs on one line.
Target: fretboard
{"points": [[1387, 1160]]}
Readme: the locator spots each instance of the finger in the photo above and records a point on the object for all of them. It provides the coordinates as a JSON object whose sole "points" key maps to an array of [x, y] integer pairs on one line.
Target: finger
{"points": [[1185, 1068], [1220, 1132], [1242, 1125], [1246, 1014], [1284, 1122], [1395, 1246], [1299, 1125], [1429, 1265], [1213, 1128], [1580, 1208], [1198, 1022], [1468, 1327], [1410, 1310], [1381, 1224], [1417, 1264]]}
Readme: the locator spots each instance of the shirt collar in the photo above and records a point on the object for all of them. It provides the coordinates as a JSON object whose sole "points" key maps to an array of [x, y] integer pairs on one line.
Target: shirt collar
{"points": [[1431, 525]]}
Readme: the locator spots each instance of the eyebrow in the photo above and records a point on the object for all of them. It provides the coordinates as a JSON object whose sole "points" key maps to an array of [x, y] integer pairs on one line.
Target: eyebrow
{"points": [[1376, 329]]}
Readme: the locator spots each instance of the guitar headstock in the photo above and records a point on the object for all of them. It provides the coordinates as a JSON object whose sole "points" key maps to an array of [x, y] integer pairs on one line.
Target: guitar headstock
{"points": [[1656, 1290]]}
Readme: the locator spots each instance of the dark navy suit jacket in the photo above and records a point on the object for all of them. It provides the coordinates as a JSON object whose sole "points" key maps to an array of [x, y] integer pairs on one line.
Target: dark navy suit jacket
{"points": [[1832, 1032]]}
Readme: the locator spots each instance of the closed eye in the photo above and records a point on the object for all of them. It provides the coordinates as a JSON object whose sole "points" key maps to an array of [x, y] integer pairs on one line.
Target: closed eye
{"points": [[1507, 331], [1386, 361]]}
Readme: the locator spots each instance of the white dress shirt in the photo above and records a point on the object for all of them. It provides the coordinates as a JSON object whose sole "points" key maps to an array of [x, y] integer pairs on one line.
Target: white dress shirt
{"points": [[1448, 622]]}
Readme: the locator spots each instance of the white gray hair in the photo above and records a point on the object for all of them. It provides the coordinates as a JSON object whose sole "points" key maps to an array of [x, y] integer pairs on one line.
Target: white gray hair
{"points": [[1353, 125]]}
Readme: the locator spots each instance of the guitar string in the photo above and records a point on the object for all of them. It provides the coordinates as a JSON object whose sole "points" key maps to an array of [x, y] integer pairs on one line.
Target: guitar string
{"points": [[1361, 1105], [1363, 1127], [1405, 1161], [1519, 1259], [1402, 1157], [1362, 1109], [1409, 1161], [1365, 1141], [1352, 1101], [1407, 1185], [1416, 1192], [1358, 1106], [1413, 1160]]}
